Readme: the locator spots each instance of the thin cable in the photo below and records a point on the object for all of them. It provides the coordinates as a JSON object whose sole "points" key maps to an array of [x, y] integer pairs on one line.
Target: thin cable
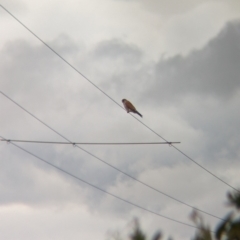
{"points": [[214, 175], [188, 157], [102, 190], [206, 169], [68, 63], [119, 170], [91, 143]]}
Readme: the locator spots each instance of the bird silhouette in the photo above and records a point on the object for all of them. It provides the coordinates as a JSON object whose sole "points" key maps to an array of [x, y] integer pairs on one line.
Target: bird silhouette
{"points": [[129, 107]]}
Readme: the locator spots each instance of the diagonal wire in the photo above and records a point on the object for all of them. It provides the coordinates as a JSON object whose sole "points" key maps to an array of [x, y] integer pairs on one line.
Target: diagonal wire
{"points": [[191, 159], [68, 63], [119, 170], [187, 156], [102, 190]]}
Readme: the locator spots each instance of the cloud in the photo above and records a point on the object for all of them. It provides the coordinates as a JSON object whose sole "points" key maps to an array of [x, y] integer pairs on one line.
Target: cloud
{"points": [[203, 88], [190, 98], [212, 71], [61, 223], [166, 7], [15, 5], [116, 49]]}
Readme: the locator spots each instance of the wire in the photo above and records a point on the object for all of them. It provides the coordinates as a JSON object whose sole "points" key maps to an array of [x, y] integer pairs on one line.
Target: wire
{"points": [[191, 159], [60, 56], [91, 143], [119, 170], [102, 190], [214, 175]]}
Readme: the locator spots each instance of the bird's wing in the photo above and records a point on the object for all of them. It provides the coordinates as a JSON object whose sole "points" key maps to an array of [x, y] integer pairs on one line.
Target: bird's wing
{"points": [[125, 106], [130, 106]]}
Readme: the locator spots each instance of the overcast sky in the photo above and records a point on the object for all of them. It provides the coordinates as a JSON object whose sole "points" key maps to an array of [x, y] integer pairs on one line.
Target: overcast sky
{"points": [[178, 63]]}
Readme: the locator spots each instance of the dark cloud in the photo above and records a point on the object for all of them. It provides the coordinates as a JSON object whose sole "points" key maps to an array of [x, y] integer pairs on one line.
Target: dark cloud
{"points": [[193, 89], [167, 8], [118, 50], [210, 72], [204, 89], [121, 68]]}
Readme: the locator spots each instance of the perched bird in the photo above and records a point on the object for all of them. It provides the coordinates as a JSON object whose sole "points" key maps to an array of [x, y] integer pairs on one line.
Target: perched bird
{"points": [[129, 107]]}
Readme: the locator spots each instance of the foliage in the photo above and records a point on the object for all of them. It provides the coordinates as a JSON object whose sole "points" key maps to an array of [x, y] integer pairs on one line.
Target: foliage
{"points": [[139, 235], [234, 200], [227, 229]]}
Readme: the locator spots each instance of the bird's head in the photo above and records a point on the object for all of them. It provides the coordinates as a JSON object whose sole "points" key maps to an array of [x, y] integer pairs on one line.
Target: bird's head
{"points": [[123, 100]]}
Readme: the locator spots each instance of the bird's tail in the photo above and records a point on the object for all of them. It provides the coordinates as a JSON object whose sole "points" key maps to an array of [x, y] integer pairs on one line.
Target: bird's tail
{"points": [[138, 113]]}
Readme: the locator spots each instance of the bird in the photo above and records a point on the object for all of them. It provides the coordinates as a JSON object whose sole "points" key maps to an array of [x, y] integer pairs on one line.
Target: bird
{"points": [[129, 107]]}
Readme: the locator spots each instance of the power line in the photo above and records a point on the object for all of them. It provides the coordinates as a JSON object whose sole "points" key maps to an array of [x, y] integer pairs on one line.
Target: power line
{"points": [[60, 56], [102, 190], [91, 143], [117, 169], [191, 159]]}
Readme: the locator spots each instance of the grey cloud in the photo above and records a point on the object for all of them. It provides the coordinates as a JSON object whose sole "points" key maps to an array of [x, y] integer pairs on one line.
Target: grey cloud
{"points": [[202, 102], [211, 71], [29, 181], [116, 49], [42, 74], [121, 70], [204, 88], [15, 5], [168, 8], [66, 46]]}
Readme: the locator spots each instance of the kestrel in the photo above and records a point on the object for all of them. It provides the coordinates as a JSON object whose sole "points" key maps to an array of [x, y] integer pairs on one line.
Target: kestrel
{"points": [[129, 107]]}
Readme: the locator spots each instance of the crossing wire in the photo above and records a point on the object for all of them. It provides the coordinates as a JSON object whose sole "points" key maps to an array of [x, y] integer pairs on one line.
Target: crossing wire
{"points": [[119, 170], [91, 143], [102, 190], [69, 64]]}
